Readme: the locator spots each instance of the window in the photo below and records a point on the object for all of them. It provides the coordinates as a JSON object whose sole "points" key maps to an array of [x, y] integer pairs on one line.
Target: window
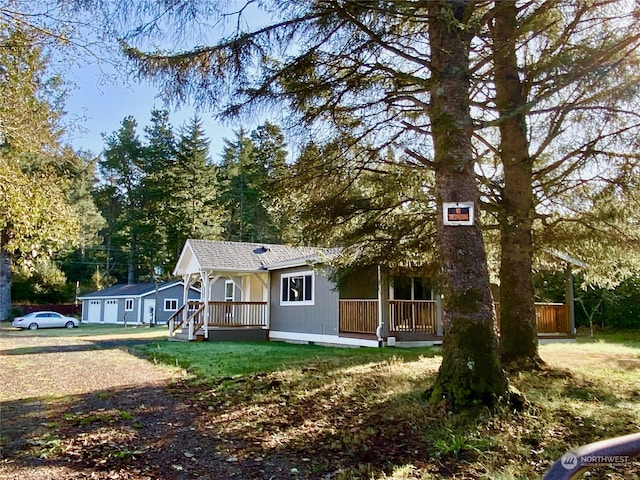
{"points": [[297, 289], [411, 288], [128, 305], [229, 291], [170, 304]]}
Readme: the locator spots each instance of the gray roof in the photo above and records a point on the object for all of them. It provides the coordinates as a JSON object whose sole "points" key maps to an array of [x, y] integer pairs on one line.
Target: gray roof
{"points": [[129, 290], [249, 257]]}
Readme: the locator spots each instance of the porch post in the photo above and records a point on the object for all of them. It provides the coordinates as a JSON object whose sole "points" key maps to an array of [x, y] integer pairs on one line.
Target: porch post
{"points": [[206, 293], [188, 281], [568, 298], [266, 291], [382, 331]]}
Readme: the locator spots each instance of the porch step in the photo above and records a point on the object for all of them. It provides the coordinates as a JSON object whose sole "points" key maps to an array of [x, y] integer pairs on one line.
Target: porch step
{"points": [[183, 336]]}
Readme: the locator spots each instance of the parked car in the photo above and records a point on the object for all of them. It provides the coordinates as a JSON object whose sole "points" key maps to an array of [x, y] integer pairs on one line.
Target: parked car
{"points": [[36, 320]]}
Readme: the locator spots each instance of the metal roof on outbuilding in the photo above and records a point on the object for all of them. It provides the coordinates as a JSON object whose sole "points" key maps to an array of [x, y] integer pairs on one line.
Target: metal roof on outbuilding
{"points": [[129, 290]]}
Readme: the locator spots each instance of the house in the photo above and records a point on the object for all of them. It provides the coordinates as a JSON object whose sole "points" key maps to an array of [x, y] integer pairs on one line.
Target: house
{"points": [[255, 291], [135, 303]]}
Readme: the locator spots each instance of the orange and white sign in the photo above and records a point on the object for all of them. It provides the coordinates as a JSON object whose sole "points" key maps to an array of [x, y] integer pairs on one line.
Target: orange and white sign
{"points": [[458, 213]]}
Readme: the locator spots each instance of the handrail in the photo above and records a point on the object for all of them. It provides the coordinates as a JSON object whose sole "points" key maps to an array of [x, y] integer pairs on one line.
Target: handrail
{"points": [[195, 321], [611, 451], [180, 317], [171, 322]]}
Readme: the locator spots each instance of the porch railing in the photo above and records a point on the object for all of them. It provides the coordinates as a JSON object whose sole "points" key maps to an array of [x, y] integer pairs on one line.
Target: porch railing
{"points": [[552, 318], [418, 316], [237, 314], [191, 318], [358, 316], [180, 316]]}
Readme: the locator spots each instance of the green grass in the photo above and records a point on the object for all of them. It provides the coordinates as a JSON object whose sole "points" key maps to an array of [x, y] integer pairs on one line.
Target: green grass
{"points": [[361, 411], [91, 330], [630, 337], [215, 360]]}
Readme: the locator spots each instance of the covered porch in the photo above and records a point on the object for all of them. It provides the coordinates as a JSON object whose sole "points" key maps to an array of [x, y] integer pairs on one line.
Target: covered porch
{"points": [[234, 296], [421, 320]]}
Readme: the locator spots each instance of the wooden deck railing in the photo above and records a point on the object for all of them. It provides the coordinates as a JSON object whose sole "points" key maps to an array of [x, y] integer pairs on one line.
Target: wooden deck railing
{"points": [[412, 316], [180, 316], [358, 316], [237, 314], [552, 318], [192, 319]]}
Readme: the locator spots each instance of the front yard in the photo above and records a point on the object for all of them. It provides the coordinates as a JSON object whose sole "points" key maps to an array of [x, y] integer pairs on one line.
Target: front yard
{"points": [[256, 410]]}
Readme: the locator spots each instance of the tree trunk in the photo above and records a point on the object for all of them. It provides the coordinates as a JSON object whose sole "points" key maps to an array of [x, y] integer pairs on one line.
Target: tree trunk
{"points": [[5, 283], [470, 373], [518, 337]]}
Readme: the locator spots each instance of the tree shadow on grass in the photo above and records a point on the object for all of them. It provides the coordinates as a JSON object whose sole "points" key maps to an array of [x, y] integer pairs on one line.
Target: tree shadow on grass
{"points": [[86, 345], [131, 433]]}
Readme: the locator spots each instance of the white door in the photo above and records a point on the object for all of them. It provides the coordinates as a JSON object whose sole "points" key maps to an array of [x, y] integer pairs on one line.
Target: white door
{"points": [[110, 311], [93, 315], [148, 307]]}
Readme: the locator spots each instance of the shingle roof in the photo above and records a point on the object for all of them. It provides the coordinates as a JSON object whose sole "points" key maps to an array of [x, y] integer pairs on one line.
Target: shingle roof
{"points": [[128, 290], [247, 257]]}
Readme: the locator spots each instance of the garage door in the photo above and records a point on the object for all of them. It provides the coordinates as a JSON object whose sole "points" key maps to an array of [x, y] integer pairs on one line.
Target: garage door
{"points": [[93, 315], [110, 311]]}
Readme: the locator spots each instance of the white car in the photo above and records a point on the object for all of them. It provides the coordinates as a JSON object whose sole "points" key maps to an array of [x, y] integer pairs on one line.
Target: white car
{"points": [[36, 320]]}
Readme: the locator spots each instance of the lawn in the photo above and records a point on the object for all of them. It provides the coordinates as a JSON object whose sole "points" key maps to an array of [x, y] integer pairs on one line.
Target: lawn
{"points": [[360, 412], [92, 331]]}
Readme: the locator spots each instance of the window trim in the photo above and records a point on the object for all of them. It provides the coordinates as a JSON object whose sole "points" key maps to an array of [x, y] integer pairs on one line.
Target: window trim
{"points": [[128, 304], [166, 300], [303, 274], [233, 291]]}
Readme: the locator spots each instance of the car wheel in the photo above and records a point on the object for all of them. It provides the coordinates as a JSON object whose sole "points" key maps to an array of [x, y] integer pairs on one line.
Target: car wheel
{"points": [[69, 325], [33, 326]]}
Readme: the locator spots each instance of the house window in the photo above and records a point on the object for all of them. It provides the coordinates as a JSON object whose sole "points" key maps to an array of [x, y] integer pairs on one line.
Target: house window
{"points": [[229, 291], [297, 289], [128, 305], [411, 288], [170, 304]]}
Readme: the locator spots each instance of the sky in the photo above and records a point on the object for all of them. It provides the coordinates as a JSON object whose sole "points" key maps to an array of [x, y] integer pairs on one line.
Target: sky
{"points": [[103, 105]]}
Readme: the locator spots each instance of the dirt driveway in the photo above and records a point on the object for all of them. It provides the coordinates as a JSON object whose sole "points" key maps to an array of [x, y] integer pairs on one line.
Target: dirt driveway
{"points": [[77, 408]]}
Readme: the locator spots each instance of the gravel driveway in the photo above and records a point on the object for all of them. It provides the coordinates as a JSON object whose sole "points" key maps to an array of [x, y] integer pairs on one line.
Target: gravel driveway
{"points": [[90, 409]]}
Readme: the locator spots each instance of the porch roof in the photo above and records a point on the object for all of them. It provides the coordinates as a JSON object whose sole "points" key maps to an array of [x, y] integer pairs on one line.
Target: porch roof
{"points": [[243, 257]]}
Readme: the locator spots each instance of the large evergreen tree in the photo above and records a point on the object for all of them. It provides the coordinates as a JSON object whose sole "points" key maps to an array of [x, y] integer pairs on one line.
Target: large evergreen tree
{"points": [[251, 170], [122, 169], [193, 186], [394, 75], [567, 131]]}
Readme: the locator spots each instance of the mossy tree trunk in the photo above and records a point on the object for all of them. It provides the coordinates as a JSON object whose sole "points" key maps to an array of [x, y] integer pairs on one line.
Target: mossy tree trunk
{"points": [[518, 337], [471, 373]]}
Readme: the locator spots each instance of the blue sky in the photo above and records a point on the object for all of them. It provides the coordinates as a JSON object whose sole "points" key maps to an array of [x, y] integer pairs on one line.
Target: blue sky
{"points": [[105, 104]]}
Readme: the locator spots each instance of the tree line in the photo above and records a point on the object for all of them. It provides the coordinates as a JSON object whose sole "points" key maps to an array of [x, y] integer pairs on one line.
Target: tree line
{"points": [[156, 192]]}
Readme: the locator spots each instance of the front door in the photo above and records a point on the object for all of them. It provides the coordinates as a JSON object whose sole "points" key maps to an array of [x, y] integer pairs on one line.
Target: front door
{"points": [[148, 310]]}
